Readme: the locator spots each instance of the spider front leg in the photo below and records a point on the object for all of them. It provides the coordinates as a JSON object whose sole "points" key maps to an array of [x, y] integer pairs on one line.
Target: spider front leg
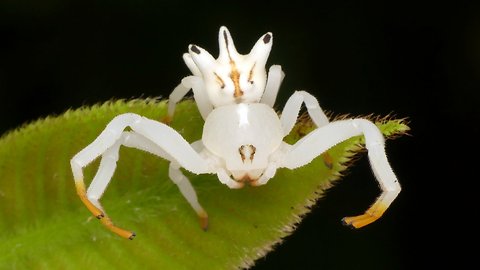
{"points": [[147, 135], [274, 80], [292, 109], [200, 95], [288, 119], [321, 139]]}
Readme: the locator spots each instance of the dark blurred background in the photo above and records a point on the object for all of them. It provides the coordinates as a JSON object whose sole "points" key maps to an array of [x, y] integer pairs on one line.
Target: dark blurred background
{"points": [[415, 59]]}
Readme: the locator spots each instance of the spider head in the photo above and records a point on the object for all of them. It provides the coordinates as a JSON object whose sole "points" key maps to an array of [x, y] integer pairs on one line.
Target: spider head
{"points": [[232, 77]]}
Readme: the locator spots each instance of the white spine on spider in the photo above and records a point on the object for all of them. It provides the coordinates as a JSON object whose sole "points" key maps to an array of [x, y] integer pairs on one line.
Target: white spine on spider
{"points": [[232, 74]]}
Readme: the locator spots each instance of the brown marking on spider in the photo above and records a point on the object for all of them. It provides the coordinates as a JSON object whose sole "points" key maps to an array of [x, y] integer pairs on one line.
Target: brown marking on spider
{"points": [[235, 76], [247, 150], [220, 81]]}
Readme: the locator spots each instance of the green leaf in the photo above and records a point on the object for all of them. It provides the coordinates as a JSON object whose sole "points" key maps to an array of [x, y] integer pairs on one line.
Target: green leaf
{"points": [[45, 226]]}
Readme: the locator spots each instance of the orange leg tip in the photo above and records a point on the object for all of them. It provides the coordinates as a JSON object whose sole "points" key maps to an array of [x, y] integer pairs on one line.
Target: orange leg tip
{"points": [[203, 218], [327, 160], [358, 222], [123, 233], [361, 220], [370, 216], [364, 222], [347, 221], [167, 120]]}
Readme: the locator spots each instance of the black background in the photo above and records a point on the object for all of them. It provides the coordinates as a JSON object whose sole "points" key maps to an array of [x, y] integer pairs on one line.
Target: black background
{"points": [[415, 59]]}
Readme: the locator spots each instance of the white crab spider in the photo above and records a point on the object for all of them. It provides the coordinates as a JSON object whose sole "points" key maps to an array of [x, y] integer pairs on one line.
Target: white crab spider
{"points": [[241, 143], [229, 79]]}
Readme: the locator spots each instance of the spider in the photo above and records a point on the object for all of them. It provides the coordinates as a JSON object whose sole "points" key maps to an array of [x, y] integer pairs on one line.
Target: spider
{"points": [[242, 141]]}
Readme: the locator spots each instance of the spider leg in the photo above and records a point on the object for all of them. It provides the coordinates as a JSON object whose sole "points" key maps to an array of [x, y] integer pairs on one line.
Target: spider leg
{"points": [[225, 179], [268, 174], [98, 185], [134, 140], [201, 98], [187, 189], [321, 139], [292, 109], [274, 80], [177, 94], [188, 192], [147, 135]]}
